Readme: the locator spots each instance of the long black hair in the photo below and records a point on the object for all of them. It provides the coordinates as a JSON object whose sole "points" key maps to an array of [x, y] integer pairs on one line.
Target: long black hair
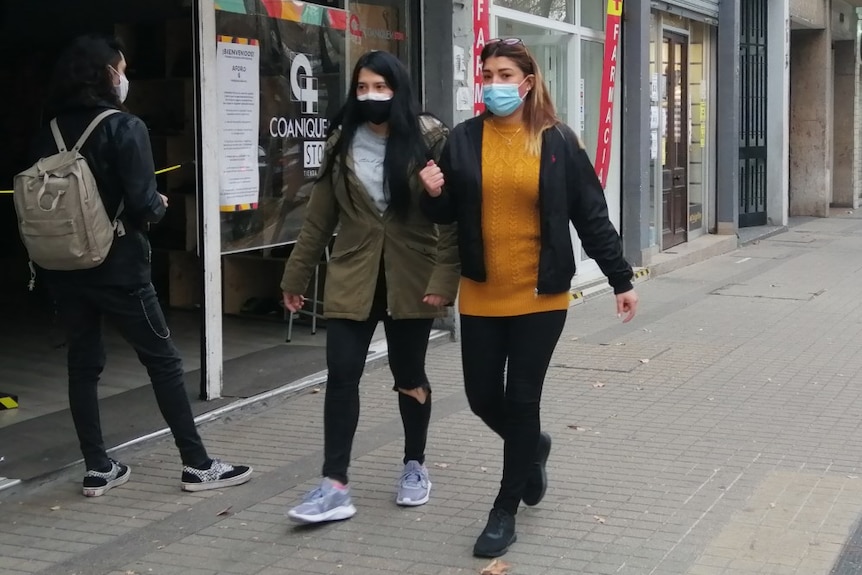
{"points": [[82, 76], [405, 146]]}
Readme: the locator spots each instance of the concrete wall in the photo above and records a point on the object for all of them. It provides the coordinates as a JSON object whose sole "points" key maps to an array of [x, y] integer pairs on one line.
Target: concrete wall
{"points": [[635, 134], [844, 137], [808, 13], [778, 126], [843, 21], [811, 122]]}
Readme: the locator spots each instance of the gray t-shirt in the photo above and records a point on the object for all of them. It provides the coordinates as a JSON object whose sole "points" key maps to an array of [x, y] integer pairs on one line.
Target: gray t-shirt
{"points": [[369, 151]]}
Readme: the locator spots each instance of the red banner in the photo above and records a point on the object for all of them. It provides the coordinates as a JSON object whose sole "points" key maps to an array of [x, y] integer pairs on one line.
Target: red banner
{"points": [[613, 28], [481, 31]]}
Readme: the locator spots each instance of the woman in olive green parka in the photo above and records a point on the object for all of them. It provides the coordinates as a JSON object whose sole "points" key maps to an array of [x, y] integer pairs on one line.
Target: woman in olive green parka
{"points": [[389, 263]]}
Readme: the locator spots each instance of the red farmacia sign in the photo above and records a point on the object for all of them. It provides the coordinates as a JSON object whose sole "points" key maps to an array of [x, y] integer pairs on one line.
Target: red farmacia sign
{"points": [[613, 29]]}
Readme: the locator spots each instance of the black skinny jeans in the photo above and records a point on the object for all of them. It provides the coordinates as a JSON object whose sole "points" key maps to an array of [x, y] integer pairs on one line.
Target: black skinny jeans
{"points": [[136, 313], [347, 344], [510, 405]]}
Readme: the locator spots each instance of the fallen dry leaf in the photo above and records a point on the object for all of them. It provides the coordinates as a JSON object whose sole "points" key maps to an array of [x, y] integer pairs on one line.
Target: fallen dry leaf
{"points": [[598, 384], [496, 567], [599, 519], [225, 511]]}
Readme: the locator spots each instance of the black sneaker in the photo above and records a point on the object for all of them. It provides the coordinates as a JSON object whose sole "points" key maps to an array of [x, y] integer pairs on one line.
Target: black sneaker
{"points": [[97, 483], [498, 535], [219, 474], [537, 483]]}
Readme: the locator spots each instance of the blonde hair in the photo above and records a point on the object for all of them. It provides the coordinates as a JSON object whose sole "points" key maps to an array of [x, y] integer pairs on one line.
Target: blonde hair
{"points": [[539, 111]]}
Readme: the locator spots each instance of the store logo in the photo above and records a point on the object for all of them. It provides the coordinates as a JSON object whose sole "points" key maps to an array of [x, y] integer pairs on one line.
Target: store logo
{"points": [[355, 26], [303, 85]]}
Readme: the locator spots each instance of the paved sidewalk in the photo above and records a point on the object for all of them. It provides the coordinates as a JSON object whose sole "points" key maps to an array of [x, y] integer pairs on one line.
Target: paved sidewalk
{"points": [[717, 434]]}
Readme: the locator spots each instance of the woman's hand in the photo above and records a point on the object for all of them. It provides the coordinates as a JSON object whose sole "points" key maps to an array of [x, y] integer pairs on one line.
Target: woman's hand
{"points": [[436, 300], [293, 302], [627, 304], [432, 178]]}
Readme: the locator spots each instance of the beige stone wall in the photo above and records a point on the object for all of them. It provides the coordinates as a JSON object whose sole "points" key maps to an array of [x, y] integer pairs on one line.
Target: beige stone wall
{"points": [[809, 13]]}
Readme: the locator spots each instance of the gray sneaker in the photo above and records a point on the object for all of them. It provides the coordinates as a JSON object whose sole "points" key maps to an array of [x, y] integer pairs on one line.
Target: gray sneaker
{"points": [[326, 503], [414, 488]]}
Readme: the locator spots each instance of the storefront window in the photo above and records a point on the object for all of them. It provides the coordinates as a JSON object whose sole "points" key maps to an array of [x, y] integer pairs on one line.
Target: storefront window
{"points": [[655, 125], [550, 48], [593, 14], [282, 74], [698, 97], [560, 10], [592, 65], [380, 25]]}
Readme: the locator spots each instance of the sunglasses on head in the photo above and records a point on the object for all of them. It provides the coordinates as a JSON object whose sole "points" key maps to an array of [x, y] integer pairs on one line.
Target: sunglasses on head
{"points": [[506, 41]]}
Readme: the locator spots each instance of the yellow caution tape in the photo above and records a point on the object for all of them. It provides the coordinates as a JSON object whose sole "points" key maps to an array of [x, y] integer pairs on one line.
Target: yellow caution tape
{"points": [[158, 173], [171, 169], [8, 401]]}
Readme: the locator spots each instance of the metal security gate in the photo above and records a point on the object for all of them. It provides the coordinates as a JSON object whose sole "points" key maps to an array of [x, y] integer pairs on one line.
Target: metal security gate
{"points": [[753, 112]]}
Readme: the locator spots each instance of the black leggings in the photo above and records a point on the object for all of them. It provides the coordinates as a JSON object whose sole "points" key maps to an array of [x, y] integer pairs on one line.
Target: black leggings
{"points": [[347, 344], [510, 406]]}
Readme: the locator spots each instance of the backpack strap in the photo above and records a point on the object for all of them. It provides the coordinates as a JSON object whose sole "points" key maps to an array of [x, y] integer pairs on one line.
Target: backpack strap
{"points": [[96, 121], [58, 137]]}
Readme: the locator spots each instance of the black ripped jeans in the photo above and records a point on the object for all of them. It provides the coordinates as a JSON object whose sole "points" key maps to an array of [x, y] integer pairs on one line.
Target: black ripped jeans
{"points": [[136, 313], [347, 344], [507, 397]]}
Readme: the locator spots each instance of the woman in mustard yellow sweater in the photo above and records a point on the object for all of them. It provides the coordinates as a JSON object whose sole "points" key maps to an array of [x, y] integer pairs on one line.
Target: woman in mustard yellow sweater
{"points": [[513, 179]]}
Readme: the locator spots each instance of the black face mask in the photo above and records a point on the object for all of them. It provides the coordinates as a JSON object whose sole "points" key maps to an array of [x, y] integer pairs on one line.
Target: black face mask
{"points": [[375, 111]]}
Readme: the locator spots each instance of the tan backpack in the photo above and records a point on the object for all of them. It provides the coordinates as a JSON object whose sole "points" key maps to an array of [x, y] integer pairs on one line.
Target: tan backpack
{"points": [[61, 217]]}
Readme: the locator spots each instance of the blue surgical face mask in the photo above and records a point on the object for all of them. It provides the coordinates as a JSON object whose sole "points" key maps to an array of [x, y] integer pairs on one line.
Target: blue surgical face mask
{"points": [[502, 99]]}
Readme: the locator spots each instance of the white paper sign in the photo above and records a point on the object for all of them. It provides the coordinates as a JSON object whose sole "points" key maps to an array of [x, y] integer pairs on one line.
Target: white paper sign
{"points": [[653, 117], [464, 99], [239, 128], [459, 63]]}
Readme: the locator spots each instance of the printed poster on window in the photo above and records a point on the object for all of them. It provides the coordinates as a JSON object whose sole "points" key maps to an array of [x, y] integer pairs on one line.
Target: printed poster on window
{"points": [[300, 85], [238, 61]]}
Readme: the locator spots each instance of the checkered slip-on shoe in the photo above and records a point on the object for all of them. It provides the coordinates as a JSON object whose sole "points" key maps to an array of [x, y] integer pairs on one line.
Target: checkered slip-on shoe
{"points": [[97, 483], [219, 474]]}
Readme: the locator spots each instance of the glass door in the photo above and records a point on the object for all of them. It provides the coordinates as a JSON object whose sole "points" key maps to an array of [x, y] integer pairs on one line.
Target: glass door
{"points": [[674, 174]]}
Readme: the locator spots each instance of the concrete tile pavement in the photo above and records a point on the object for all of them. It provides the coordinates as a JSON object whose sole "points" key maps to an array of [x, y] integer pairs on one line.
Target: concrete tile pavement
{"points": [[735, 449]]}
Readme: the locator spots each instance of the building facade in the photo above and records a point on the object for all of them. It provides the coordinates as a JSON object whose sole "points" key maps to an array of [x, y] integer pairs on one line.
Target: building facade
{"points": [[705, 147], [825, 153]]}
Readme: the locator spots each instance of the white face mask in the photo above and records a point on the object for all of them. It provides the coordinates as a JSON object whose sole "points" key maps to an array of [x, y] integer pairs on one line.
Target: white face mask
{"points": [[121, 89]]}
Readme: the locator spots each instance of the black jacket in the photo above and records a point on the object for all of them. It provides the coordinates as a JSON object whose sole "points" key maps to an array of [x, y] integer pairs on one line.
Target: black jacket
{"points": [[121, 159], [569, 190]]}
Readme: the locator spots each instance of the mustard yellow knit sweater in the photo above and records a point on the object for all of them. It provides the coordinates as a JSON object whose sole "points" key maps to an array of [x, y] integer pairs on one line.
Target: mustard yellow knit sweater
{"points": [[510, 229]]}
